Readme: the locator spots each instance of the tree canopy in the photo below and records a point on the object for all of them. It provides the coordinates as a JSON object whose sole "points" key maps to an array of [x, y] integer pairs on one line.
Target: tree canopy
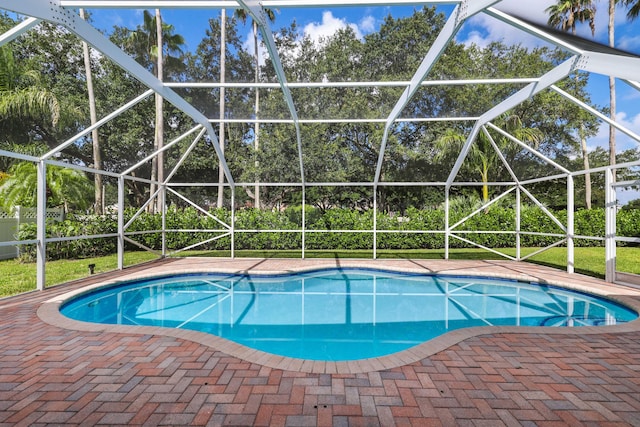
{"points": [[345, 152]]}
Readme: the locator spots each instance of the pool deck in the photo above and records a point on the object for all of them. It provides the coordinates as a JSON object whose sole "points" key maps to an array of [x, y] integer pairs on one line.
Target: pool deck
{"points": [[54, 371]]}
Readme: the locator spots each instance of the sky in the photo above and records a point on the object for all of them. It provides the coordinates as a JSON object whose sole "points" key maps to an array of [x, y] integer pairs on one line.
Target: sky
{"points": [[480, 30]]}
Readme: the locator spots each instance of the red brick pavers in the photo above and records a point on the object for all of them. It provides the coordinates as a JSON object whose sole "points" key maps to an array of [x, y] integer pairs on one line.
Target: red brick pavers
{"points": [[55, 376]]}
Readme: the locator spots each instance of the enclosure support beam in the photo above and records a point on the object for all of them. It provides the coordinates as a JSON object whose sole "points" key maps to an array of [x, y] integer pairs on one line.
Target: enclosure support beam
{"points": [[529, 149], [558, 73], [231, 4], [41, 222], [304, 220], [634, 84], [375, 222], [162, 195], [610, 226], [622, 67], [517, 23], [447, 230], [255, 9], [570, 224], [98, 124], [68, 18], [120, 222], [233, 222], [18, 30], [518, 222], [463, 11], [597, 113]]}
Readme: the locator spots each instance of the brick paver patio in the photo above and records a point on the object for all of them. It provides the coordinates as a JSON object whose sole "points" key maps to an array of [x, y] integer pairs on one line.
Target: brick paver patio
{"points": [[52, 375]]}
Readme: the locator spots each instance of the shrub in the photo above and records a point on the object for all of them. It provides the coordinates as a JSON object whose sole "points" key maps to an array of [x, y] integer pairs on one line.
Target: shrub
{"points": [[335, 221]]}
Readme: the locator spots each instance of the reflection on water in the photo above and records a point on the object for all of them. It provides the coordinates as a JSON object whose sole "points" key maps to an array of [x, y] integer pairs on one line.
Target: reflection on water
{"points": [[339, 314]]}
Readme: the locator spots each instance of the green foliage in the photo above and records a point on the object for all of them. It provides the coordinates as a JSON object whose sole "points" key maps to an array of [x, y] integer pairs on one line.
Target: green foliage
{"points": [[65, 187], [334, 229], [22, 94], [70, 227], [332, 152]]}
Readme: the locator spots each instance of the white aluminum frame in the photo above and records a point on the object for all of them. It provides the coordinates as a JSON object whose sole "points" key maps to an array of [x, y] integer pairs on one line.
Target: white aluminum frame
{"points": [[62, 12]]}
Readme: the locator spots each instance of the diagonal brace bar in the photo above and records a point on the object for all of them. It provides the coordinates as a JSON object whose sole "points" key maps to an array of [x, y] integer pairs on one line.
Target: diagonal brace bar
{"points": [[254, 7], [463, 11]]}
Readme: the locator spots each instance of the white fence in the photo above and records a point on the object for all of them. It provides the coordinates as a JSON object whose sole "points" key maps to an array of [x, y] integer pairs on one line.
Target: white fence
{"points": [[10, 224]]}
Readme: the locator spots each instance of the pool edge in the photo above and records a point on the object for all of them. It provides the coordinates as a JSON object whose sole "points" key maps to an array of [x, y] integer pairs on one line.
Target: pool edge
{"points": [[49, 312]]}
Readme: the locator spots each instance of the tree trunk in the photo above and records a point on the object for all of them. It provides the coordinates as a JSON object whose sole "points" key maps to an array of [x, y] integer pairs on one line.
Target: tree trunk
{"points": [[159, 134], [97, 157], [223, 60], [612, 90], [485, 187], [256, 131]]}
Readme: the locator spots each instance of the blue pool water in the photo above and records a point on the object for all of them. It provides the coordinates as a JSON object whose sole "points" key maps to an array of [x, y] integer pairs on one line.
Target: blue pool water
{"points": [[338, 314]]}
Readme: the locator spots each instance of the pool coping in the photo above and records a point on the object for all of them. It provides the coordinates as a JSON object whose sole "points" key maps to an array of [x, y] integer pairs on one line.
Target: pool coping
{"points": [[49, 310]]}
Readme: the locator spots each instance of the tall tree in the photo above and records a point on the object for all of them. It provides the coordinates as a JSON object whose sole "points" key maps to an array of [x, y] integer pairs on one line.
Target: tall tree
{"points": [[22, 94], [223, 70], [159, 134], [155, 44], [612, 87], [565, 15], [633, 8], [57, 75], [242, 15], [206, 64], [97, 157]]}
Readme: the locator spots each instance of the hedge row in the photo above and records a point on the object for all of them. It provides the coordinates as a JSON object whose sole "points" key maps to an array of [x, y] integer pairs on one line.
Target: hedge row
{"points": [[335, 221]]}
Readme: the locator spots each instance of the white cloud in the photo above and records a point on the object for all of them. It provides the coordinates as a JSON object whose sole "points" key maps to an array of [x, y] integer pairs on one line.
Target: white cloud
{"points": [[630, 43], [535, 11], [249, 46], [623, 142], [317, 31], [531, 10], [483, 29], [368, 24]]}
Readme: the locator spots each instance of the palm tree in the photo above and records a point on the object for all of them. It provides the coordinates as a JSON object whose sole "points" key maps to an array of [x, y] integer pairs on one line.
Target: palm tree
{"points": [[97, 157], [223, 61], [65, 187], [612, 88], [633, 7], [156, 44], [242, 15], [22, 95], [565, 15], [632, 13], [482, 157]]}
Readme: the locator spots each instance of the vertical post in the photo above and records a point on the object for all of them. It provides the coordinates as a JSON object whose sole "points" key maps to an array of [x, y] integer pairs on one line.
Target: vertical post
{"points": [[18, 218], [610, 226], [163, 210], [120, 222], [446, 222], [570, 224], [233, 221], [375, 222], [304, 219], [41, 222], [518, 223]]}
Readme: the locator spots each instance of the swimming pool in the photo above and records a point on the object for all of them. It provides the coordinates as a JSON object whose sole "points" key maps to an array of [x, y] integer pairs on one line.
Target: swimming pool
{"points": [[338, 314]]}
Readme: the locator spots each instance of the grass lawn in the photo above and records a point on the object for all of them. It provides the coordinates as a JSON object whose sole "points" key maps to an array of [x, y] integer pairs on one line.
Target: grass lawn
{"points": [[17, 277]]}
